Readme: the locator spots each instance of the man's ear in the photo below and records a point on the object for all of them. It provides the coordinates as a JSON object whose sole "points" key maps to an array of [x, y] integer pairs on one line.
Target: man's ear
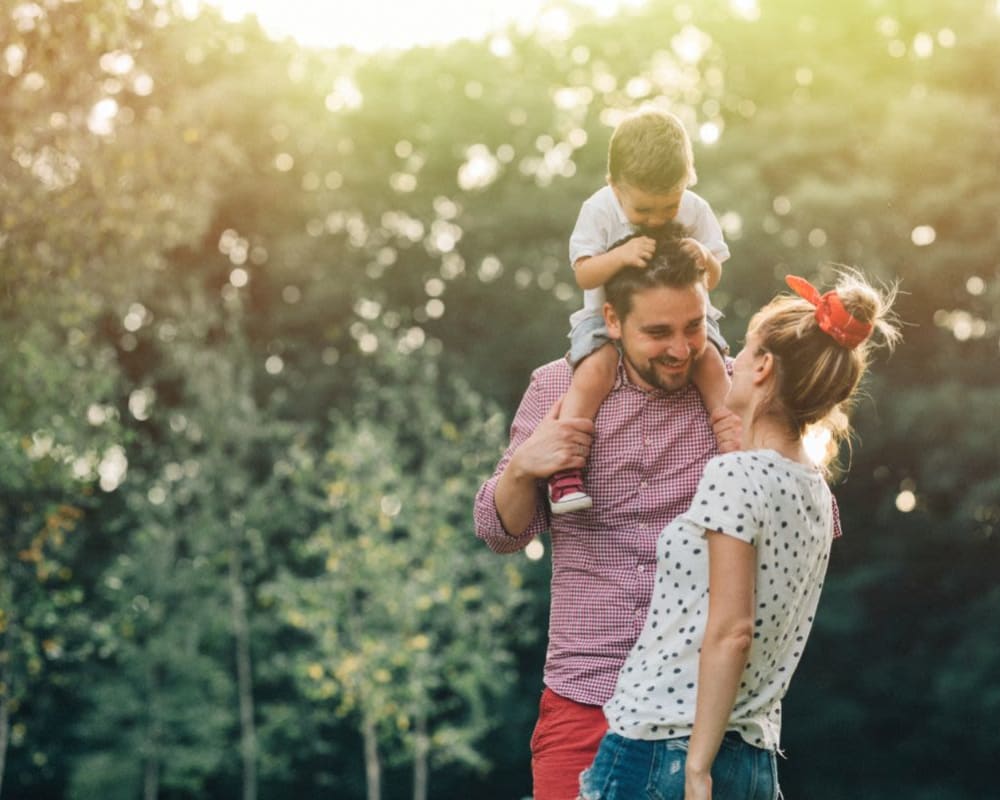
{"points": [[612, 321]]}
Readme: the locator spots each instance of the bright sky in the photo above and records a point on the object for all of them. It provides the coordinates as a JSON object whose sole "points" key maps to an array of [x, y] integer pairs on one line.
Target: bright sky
{"points": [[375, 24]]}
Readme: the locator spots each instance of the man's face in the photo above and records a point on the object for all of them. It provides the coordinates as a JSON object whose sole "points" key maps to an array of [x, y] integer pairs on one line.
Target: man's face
{"points": [[648, 210], [662, 335]]}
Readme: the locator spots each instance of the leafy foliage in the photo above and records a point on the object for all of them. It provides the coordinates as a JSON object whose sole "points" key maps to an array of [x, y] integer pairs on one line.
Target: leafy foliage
{"points": [[264, 311]]}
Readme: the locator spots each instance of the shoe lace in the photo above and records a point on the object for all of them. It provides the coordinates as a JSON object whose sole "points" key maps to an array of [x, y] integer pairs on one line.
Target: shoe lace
{"points": [[566, 483]]}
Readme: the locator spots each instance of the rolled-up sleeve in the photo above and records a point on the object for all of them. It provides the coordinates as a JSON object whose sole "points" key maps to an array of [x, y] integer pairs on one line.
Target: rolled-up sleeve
{"points": [[534, 405]]}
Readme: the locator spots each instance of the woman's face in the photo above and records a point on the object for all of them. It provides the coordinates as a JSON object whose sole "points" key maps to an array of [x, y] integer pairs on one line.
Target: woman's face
{"points": [[742, 387]]}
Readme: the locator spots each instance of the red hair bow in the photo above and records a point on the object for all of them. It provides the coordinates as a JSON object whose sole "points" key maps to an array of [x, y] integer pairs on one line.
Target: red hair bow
{"points": [[833, 318]]}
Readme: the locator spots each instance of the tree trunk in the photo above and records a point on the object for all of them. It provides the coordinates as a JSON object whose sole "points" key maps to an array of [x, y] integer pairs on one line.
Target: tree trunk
{"points": [[151, 779], [151, 768], [421, 751], [6, 680], [244, 673], [373, 769]]}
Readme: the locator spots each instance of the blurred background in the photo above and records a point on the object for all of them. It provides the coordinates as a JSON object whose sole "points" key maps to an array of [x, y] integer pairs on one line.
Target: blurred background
{"points": [[271, 287]]}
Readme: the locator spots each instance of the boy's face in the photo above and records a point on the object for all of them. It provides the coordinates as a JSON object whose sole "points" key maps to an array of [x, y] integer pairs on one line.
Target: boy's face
{"points": [[649, 210]]}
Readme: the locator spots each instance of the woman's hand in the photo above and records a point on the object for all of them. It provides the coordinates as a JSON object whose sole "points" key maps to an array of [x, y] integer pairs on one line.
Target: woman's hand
{"points": [[697, 785]]}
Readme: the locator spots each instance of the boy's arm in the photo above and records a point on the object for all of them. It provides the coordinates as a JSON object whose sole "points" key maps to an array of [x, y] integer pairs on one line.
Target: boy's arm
{"points": [[594, 271], [713, 270]]}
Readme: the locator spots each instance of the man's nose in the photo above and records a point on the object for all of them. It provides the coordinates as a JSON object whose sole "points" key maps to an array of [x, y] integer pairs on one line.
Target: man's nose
{"points": [[679, 348]]}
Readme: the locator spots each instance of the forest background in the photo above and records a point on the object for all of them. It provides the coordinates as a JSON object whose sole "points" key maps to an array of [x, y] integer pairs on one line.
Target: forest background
{"points": [[265, 315]]}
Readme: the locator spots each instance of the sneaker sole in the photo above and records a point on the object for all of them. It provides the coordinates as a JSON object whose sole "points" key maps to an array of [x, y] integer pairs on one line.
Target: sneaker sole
{"points": [[569, 506]]}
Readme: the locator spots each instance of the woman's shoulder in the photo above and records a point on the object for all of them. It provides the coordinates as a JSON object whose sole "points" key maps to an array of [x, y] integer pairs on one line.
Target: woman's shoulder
{"points": [[755, 466], [736, 461]]}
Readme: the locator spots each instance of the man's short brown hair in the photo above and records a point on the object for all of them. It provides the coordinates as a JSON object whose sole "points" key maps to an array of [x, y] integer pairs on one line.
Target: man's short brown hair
{"points": [[671, 266]]}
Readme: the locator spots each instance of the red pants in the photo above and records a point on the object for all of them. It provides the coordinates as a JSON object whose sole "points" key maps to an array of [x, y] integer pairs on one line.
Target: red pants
{"points": [[563, 745]]}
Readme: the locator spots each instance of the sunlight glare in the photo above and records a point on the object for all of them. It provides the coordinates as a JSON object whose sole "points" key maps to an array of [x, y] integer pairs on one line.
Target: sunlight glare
{"points": [[112, 468], [691, 44], [923, 45], [709, 133], [102, 115], [906, 501], [535, 550], [817, 442], [387, 24], [746, 9]]}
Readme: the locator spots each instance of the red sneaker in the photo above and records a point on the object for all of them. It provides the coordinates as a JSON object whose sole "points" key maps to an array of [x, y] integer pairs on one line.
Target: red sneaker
{"points": [[566, 492]]}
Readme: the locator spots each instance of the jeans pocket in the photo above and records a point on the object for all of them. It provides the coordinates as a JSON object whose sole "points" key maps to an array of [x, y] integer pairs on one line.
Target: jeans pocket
{"points": [[666, 772], [596, 782]]}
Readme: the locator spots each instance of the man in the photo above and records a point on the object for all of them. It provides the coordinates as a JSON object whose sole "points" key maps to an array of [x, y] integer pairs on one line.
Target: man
{"points": [[647, 448]]}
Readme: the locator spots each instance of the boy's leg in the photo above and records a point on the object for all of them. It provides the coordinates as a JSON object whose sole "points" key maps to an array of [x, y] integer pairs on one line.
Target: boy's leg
{"points": [[593, 379], [710, 376], [563, 745], [711, 379]]}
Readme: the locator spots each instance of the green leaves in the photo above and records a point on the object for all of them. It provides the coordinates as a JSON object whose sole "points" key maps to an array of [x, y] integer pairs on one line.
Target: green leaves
{"points": [[270, 309]]}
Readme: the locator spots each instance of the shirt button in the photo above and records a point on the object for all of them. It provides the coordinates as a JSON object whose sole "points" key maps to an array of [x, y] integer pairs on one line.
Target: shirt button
{"points": [[643, 485], [641, 568]]}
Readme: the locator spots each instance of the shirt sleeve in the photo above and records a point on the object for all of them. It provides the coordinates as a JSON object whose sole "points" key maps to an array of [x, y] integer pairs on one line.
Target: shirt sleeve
{"points": [[707, 230], [726, 501], [590, 235], [489, 528]]}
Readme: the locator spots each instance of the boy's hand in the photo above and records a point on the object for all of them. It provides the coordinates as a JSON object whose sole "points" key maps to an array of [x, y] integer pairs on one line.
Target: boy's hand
{"points": [[728, 429], [696, 250], [638, 251]]}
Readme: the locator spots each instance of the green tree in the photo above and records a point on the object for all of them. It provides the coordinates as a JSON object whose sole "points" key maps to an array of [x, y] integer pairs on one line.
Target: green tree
{"points": [[412, 623]]}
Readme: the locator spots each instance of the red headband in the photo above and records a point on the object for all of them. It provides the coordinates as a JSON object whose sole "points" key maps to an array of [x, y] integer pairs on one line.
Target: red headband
{"points": [[831, 315]]}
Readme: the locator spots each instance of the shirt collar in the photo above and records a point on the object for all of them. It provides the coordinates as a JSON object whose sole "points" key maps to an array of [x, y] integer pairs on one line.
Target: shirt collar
{"points": [[619, 210]]}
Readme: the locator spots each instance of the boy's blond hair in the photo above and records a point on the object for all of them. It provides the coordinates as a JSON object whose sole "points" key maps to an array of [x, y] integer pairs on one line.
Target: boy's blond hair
{"points": [[651, 151]]}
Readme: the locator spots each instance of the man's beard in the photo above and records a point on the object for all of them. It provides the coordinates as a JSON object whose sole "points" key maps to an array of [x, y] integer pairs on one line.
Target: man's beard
{"points": [[665, 383]]}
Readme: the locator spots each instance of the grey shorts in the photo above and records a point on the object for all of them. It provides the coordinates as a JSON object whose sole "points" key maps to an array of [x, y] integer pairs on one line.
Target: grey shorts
{"points": [[590, 333]]}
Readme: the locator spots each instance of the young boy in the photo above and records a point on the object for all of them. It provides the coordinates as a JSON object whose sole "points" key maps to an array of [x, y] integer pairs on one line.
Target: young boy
{"points": [[650, 166]]}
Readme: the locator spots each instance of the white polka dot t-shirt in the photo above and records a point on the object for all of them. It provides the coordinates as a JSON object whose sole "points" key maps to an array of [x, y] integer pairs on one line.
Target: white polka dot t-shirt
{"points": [[782, 508]]}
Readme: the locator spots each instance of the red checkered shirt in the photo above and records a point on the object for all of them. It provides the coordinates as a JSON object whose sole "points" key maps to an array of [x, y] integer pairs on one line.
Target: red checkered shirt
{"points": [[647, 456]]}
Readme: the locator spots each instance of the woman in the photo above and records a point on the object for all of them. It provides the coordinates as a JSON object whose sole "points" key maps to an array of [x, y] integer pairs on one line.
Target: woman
{"points": [[699, 699]]}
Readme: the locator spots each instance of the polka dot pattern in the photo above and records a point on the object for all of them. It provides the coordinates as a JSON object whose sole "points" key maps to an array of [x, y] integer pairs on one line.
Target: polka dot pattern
{"points": [[783, 509]]}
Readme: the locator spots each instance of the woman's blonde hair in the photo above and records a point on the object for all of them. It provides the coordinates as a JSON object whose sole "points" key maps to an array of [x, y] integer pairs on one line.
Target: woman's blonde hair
{"points": [[816, 378]]}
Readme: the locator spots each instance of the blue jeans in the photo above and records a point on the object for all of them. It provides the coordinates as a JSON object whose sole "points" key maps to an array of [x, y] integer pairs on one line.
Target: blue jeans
{"points": [[635, 769]]}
